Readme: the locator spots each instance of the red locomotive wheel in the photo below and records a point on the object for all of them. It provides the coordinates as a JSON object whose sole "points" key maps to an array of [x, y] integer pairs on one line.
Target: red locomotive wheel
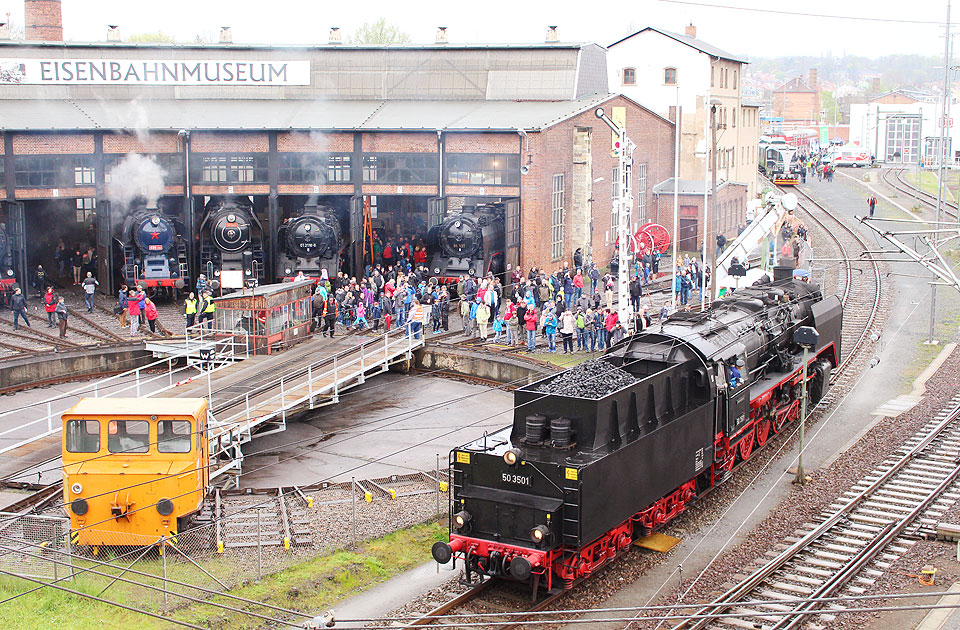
{"points": [[746, 446], [763, 431], [778, 421], [659, 235]]}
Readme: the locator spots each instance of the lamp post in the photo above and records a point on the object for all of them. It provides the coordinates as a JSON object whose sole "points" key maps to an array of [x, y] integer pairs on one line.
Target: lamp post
{"points": [[713, 196], [807, 337], [624, 204]]}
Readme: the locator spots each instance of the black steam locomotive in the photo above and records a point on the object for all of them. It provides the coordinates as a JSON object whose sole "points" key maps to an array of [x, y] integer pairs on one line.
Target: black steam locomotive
{"points": [[154, 250], [470, 242], [231, 241], [612, 449], [8, 276], [310, 243]]}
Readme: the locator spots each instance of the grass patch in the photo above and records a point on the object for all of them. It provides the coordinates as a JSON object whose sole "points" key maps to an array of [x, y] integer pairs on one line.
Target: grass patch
{"points": [[311, 586], [928, 180], [567, 360]]}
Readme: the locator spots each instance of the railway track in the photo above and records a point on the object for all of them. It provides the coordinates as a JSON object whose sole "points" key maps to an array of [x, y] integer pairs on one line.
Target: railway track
{"points": [[894, 178], [855, 540], [860, 295], [489, 598]]}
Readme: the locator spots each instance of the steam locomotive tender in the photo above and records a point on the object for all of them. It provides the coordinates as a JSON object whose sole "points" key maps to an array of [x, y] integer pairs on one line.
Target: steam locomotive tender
{"points": [[469, 242], [231, 239], [576, 479], [310, 242], [154, 250]]}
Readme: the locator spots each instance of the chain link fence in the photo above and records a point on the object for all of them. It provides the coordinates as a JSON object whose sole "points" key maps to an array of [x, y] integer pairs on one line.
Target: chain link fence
{"points": [[237, 539]]}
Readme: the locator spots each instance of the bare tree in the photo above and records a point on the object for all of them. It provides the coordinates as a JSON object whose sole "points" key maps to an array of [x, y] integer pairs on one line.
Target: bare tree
{"points": [[379, 32], [157, 37]]}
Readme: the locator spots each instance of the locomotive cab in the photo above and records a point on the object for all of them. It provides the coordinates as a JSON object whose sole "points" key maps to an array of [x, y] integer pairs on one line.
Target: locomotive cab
{"points": [[134, 469]]}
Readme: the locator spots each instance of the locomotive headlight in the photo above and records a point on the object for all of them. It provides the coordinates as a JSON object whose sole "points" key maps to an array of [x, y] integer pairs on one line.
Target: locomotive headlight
{"points": [[436, 270], [155, 220], [217, 273], [539, 533], [232, 218], [76, 488], [461, 518], [247, 272], [307, 227], [165, 507], [9, 272], [511, 457], [288, 270]]}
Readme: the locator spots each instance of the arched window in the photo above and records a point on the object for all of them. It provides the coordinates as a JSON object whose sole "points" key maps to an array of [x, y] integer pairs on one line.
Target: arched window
{"points": [[670, 76], [629, 76]]}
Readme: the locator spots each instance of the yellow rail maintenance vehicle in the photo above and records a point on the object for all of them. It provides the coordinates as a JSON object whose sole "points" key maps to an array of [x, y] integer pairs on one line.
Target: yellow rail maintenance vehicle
{"points": [[134, 469]]}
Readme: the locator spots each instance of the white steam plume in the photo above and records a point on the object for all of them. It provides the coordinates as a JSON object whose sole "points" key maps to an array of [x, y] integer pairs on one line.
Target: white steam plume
{"points": [[136, 176]]}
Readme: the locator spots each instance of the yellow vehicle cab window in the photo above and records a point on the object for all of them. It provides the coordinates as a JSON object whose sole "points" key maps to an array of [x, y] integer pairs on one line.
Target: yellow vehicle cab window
{"points": [[128, 436], [83, 436], [173, 436]]}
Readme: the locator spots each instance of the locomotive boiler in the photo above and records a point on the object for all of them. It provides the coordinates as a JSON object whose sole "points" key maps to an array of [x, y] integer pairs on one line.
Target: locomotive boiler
{"points": [[310, 243], [231, 243], [469, 242], [613, 449], [154, 250]]}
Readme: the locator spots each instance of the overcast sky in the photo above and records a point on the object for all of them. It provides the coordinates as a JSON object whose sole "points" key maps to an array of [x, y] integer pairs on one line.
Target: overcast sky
{"points": [[517, 21]]}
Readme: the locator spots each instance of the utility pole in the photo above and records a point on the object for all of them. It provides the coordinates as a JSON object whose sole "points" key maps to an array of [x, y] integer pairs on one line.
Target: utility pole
{"points": [[676, 202], [713, 198], [943, 158], [624, 149]]}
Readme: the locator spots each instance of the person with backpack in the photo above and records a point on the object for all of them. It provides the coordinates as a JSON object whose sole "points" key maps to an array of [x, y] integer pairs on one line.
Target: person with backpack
{"points": [[550, 324], [580, 320], [150, 312], [331, 310]]}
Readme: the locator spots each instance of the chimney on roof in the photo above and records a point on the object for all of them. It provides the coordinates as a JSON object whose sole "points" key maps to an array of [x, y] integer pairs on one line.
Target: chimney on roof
{"points": [[226, 35], [442, 35], [813, 78], [42, 20], [552, 37], [335, 37], [875, 85], [113, 33], [690, 30]]}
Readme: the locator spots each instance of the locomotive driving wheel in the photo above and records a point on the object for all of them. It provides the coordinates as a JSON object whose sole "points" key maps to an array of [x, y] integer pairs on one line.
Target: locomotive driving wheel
{"points": [[763, 430], [745, 446]]}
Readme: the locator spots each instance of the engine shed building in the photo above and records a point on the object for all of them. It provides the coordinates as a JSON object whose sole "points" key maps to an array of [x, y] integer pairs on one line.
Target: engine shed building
{"points": [[416, 131]]}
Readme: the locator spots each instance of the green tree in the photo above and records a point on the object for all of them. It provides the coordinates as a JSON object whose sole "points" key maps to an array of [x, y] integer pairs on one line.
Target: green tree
{"points": [[380, 33], [158, 37]]}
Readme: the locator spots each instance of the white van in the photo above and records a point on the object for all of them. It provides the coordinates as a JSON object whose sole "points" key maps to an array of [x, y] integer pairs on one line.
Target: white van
{"points": [[850, 157]]}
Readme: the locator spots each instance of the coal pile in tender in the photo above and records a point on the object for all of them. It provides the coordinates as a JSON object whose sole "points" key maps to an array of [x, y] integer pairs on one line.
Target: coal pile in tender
{"points": [[591, 379]]}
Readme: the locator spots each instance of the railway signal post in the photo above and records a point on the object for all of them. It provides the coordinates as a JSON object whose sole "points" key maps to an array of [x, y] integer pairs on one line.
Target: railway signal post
{"points": [[807, 337], [623, 148]]}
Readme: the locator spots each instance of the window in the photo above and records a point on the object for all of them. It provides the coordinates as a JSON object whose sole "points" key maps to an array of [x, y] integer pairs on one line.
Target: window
{"points": [[513, 223], [128, 436], [713, 72], [629, 76], [82, 436], [670, 76], [171, 163], [35, 171], [234, 169], [734, 117], [173, 436], [556, 231], [310, 168], [401, 168], [83, 174], [85, 209], [734, 79], [500, 169], [902, 139], [641, 192]]}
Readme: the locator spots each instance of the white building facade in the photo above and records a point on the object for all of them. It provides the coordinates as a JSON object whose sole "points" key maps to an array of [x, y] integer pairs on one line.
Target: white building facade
{"points": [[904, 132], [661, 70]]}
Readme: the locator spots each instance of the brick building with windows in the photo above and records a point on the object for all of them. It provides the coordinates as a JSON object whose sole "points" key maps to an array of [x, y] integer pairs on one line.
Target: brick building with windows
{"points": [[415, 131]]}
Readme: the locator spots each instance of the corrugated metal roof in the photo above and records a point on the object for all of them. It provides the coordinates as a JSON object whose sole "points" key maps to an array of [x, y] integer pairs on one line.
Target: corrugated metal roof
{"points": [[689, 187], [255, 46], [699, 44], [46, 115]]}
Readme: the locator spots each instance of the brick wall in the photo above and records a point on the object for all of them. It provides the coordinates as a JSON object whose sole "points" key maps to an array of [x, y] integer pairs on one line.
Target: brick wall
{"points": [[316, 142], [310, 189], [52, 144], [400, 142], [43, 20], [228, 142], [55, 193], [143, 143], [230, 189], [482, 142], [552, 153], [732, 200]]}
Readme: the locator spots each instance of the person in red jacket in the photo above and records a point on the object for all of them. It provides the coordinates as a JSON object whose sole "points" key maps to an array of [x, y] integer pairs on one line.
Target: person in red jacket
{"points": [[50, 306], [610, 322], [133, 311], [150, 310], [531, 319]]}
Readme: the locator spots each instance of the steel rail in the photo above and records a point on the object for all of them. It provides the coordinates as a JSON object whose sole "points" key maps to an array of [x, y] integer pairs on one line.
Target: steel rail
{"points": [[735, 594]]}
